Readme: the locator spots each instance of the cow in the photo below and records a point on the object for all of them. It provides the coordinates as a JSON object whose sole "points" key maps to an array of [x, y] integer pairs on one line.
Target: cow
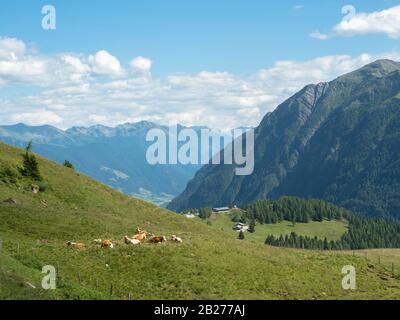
{"points": [[107, 244], [80, 246], [158, 239], [176, 239], [139, 231], [140, 236], [133, 242]]}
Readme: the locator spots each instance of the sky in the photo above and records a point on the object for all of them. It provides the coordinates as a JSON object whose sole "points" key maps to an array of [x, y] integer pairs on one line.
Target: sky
{"points": [[222, 63]]}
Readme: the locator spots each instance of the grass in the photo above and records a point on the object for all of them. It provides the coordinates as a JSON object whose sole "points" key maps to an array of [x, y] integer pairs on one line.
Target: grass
{"points": [[386, 258], [332, 230], [210, 264]]}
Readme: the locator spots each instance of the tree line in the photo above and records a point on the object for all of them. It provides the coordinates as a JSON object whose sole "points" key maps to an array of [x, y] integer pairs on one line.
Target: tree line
{"points": [[363, 232], [293, 209]]}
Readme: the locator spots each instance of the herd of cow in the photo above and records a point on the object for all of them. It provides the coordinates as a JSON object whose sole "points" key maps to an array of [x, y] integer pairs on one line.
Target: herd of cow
{"points": [[139, 237]]}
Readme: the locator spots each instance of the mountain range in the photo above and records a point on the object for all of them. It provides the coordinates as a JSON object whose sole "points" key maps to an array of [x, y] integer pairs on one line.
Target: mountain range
{"points": [[338, 141], [114, 156]]}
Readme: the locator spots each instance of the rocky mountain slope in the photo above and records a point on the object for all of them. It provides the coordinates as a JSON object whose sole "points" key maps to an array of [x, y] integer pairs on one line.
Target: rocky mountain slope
{"points": [[338, 141]]}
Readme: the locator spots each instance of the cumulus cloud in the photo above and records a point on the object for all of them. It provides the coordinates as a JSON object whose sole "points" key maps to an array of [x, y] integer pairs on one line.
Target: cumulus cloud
{"points": [[379, 22], [11, 48], [70, 91], [105, 63], [385, 21], [76, 64], [141, 64]]}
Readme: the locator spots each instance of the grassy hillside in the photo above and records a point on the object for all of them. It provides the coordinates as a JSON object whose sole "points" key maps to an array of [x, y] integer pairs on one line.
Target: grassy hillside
{"points": [[332, 230], [210, 264]]}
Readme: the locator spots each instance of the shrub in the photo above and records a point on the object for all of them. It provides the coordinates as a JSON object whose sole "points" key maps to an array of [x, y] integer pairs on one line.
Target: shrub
{"points": [[43, 186], [68, 164], [8, 174]]}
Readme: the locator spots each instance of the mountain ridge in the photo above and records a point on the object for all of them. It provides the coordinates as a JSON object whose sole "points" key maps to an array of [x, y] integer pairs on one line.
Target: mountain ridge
{"points": [[107, 154], [285, 137]]}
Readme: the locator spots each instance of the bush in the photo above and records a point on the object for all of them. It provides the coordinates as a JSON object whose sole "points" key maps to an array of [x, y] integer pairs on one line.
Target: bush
{"points": [[43, 186], [205, 213], [238, 216], [8, 174], [68, 164]]}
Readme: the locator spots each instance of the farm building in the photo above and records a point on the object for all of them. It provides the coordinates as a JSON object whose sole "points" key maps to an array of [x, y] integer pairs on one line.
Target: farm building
{"points": [[221, 210], [240, 227]]}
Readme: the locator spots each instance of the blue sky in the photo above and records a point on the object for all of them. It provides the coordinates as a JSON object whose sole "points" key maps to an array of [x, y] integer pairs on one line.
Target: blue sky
{"points": [[232, 41], [190, 36]]}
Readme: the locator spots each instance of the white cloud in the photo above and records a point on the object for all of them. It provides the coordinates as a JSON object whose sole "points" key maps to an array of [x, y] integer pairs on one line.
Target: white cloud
{"points": [[68, 91], [141, 64], [76, 64], [24, 69], [379, 22], [386, 21], [37, 117], [11, 48], [318, 35], [106, 64]]}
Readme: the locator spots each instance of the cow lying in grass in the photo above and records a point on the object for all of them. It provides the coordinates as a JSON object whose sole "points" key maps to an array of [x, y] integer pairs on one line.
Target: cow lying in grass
{"points": [[107, 244], [140, 236], [133, 242], [80, 246], [158, 239], [176, 239]]}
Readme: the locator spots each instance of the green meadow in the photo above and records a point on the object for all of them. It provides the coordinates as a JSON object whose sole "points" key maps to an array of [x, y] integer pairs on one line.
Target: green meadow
{"points": [[210, 264]]}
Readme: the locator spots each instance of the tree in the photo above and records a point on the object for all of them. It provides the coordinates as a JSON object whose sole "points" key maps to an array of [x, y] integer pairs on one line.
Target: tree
{"points": [[241, 235], [28, 148], [30, 166], [68, 164], [205, 213], [252, 226]]}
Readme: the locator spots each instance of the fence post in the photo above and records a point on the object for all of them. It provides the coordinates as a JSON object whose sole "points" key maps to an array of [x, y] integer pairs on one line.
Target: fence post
{"points": [[111, 289], [379, 259], [393, 267], [79, 278], [97, 284], [129, 296]]}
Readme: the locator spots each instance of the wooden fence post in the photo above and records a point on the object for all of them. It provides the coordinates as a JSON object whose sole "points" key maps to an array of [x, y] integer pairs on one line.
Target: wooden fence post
{"points": [[79, 278], [111, 289]]}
